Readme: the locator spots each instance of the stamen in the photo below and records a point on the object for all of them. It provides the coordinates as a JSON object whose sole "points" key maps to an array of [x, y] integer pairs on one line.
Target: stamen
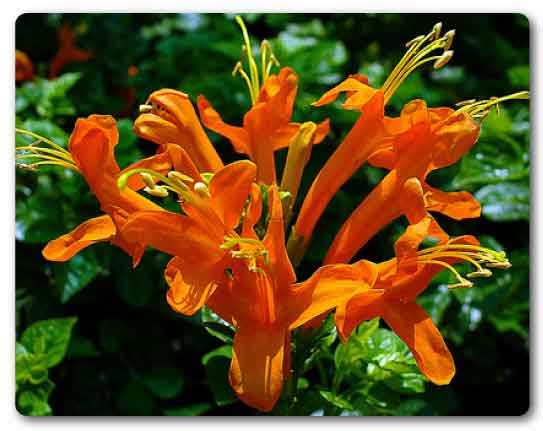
{"points": [[267, 57], [54, 155], [202, 190], [158, 191], [479, 109], [182, 190], [255, 250], [479, 257], [417, 55], [145, 108]]}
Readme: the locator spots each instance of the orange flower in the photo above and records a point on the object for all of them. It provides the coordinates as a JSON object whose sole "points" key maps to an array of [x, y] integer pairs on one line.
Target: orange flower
{"points": [[24, 69], [401, 280], [249, 282], [370, 130], [169, 117], [267, 126], [92, 154], [430, 139], [67, 52]]}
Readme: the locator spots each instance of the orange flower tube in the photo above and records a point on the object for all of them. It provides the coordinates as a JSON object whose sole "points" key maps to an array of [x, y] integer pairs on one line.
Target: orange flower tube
{"points": [[248, 281]]}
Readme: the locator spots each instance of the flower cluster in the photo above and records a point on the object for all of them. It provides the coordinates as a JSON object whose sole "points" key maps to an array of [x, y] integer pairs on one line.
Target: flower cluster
{"points": [[228, 240]]}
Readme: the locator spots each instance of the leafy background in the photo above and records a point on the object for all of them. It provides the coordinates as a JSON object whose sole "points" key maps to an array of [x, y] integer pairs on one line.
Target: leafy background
{"points": [[95, 338]]}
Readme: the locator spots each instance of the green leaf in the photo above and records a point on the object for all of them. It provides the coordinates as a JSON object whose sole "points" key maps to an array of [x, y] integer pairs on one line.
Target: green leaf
{"points": [[191, 410], [48, 338], [217, 366], [81, 347], [75, 274], [135, 400], [519, 76], [216, 326], [164, 382], [336, 400], [505, 201], [32, 400], [410, 407]]}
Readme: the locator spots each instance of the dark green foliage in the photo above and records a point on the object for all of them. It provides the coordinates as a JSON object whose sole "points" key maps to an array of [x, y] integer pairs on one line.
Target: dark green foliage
{"points": [[130, 354]]}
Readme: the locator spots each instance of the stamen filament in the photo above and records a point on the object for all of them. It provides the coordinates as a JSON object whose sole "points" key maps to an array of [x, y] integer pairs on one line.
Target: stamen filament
{"points": [[416, 56], [36, 150], [41, 138], [462, 281], [481, 107]]}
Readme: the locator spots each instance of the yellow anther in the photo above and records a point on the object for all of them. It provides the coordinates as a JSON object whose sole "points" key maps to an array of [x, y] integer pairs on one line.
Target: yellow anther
{"points": [[484, 273], [465, 284], [499, 265], [148, 180], [477, 256], [158, 191], [145, 108], [419, 52], [443, 60], [268, 60], [478, 109], [180, 179], [202, 189]]}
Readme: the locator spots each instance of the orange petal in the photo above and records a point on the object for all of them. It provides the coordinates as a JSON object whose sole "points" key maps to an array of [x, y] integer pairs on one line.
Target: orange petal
{"points": [[453, 137], [274, 240], [229, 190], [176, 107], [329, 287], [160, 131], [91, 146], [257, 369], [417, 330], [254, 212], [212, 120], [190, 287], [354, 83], [457, 205], [87, 233], [176, 235], [364, 306], [353, 152]]}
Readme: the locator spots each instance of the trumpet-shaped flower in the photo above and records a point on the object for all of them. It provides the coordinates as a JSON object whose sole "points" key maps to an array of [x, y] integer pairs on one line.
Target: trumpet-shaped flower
{"points": [[402, 279], [267, 126], [432, 139], [91, 153], [168, 117], [220, 261], [369, 132]]}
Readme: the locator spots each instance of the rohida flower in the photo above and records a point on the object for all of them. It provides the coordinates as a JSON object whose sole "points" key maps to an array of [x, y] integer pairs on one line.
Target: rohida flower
{"points": [[434, 139], [220, 261], [267, 126], [91, 153], [168, 117], [371, 129], [402, 279]]}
